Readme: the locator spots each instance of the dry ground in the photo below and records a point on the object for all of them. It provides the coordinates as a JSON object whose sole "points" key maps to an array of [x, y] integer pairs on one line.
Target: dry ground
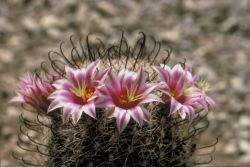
{"points": [[213, 35]]}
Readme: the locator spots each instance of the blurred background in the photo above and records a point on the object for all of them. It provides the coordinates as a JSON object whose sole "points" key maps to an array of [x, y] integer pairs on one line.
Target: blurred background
{"points": [[214, 36]]}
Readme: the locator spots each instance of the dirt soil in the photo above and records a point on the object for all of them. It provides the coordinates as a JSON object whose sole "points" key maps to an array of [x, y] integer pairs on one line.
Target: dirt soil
{"points": [[213, 35]]}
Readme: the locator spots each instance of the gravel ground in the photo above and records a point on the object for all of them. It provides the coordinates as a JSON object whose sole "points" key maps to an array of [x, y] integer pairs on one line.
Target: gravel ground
{"points": [[213, 35]]}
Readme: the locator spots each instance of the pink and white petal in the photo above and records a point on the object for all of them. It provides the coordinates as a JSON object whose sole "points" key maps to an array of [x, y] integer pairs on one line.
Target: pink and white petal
{"points": [[62, 84], [146, 114], [93, 97], [60, 94], [176, 73], [76, 116], [56, 104], [179, 86], [89, 109], [17, 99], [165, 91], [101, 75], [92, 68], [126, 78], [141, 79], [114, 84], [163, 74], [80, 77], [67, 111], [151, 98], [122, 120], [211, 102], [182, 112], [102, 90], [147, 88], [190, 112], [104, 101], [175, 105], [112, 92], [165, 67], [137, 114], [70, 73]]}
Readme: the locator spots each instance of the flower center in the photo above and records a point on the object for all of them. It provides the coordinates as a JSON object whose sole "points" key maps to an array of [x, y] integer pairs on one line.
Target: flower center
{"points": [[123, 99], [84, 92], [172, 93], [128, 99], [88, 93]]}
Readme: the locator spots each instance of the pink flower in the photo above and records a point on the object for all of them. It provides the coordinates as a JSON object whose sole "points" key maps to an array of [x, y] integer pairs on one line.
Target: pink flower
{"points": [[201, 91], [77, 93], [178, 87], [124, 94], [34, 90]]}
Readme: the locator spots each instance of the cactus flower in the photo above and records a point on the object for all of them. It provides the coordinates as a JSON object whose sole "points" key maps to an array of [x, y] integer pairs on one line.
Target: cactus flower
{"points": [[34, 90], [77, 93], [178, 87], [124, 94]]}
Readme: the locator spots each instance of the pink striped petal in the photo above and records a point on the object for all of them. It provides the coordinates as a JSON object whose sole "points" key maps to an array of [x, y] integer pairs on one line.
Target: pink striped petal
{"points": [[126, 78], [67, 111], [102, 75], [76, 116], [163, 74], [165, 89], [55, 104], [190, 111], [60, 94], [137, 114], [176, 73], [182, 112], [146, 114], [93, 97], [122, 120], [80, 77], [17, 99], [62, 84], [151, 98], [104, 101], [175, 105], [89, 109], [179, 86], [70, 73], [211, 102], [141, 79], [114, 84], [92, 68], [147, 88]]}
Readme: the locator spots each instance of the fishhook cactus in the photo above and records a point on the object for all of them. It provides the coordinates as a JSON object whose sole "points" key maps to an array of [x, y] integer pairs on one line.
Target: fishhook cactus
{"points": [[87, 108]]}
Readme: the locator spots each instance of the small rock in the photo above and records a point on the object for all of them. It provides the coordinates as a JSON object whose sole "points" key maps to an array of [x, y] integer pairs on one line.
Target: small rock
{"points": [[6, 56], [30, 24], [54, 33], [237, 84], [172, 35], [230, 148], [49, 21], [244, 145], [107, 8], [12, 112], [241, 59], [244, 121], [230, 25], [208, 72]]}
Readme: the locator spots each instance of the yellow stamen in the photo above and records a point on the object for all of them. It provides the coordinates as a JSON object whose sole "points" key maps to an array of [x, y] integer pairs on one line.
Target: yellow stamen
{"points": [[83, 91], [172, 93]]}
